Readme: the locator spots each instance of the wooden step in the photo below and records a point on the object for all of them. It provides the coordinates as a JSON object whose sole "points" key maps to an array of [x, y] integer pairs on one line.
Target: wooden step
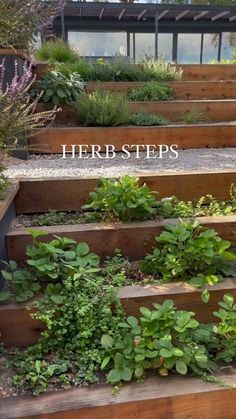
{"points": [[171, 397], [213, 110], [208, 71], [133, 239], [17, 327], [182, 89], [50, 140], [70, 194]]}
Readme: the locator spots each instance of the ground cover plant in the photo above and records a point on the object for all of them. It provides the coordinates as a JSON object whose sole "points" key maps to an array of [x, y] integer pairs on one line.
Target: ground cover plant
{"points": [[143, 118], [59, 88], [86, 329], [56, 51], [193, 117], [125, 200], [187, 250], [151, 91], [166, 339], [102, 108]]}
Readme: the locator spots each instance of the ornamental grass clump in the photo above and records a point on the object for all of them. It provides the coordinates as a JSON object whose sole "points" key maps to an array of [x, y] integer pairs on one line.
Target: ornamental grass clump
{"points": [[102, 108], [22, 20], [18, 118], [56, 51]]}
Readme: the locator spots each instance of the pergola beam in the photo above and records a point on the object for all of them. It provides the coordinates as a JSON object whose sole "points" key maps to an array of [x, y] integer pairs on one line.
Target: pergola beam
{"points": [[182, 14], [232, 18], [101, 14], [121, 14], [200, 15], [142, 14], [219, 15], [162, 14]]}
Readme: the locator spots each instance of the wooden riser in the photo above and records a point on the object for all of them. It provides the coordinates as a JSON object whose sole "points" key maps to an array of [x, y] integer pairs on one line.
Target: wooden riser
{"points": [[214, 111], [193, 72], [17, 327], [135, 240], [173, 110], [69, 194], [182, 89], [171, 397], [50, 140]]}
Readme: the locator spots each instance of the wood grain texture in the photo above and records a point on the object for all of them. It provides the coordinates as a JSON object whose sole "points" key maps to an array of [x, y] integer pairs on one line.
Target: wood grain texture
{"points": [[172, 397], [69, 194], [134, 239], [18, 328], [214, 111], [4, 205], [50, 140], [212, 72], [182, 89], [191, 72]]}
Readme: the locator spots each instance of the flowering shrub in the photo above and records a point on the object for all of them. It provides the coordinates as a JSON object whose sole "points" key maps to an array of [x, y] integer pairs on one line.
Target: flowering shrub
{"points": [[22, 20], [17, 110]]}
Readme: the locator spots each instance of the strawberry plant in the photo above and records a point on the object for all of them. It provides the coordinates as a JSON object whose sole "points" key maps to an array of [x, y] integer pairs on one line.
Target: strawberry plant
{"points": [[122, 200], [162, 340], [187, 251]]}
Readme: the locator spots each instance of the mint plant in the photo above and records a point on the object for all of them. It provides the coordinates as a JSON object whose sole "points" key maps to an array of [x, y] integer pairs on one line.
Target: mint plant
{"points": [[122, 200], [162, 340], [188, 252]]}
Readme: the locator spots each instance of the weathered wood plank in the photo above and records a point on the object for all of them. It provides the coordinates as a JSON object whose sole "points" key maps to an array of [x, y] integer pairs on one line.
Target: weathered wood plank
{"points": [[134, 239], [50, 140], [182, 89], [18, 328], [172, 397], [208, 71], [69, 194], [215, 111]]}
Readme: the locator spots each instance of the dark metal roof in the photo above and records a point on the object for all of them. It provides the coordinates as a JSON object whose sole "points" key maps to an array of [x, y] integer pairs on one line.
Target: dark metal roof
{"points": [[148, 12]]}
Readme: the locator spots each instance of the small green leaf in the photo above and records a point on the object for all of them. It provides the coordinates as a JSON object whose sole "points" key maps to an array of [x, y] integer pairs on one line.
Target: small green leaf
{"points": [[126, 374], [181, 367], [105, 362], [205, 296], [107, 341], [132, 321]]}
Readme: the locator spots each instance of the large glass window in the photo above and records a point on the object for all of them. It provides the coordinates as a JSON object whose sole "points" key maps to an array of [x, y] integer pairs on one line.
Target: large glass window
{"points": [[144, 46], [165, 41], [99, 44], [228, 45], [189, 46], [210, 47]]}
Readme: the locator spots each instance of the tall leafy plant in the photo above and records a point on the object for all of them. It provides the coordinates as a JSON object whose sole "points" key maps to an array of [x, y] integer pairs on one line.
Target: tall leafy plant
{"points": [[22, 20]]}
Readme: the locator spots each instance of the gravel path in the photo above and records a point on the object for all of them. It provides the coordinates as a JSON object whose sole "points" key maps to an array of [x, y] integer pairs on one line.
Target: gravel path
{"points": [[55, 166]]}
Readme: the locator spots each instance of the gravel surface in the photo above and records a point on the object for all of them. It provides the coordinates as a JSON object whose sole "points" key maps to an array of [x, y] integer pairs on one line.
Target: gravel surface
{"points": [[55, 166]]}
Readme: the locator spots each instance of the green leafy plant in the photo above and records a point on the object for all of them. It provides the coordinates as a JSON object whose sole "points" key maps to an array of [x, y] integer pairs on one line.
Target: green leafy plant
{"points": [[172, 207], [4, 183], [193, 117], [60, 89], [143, 118], [123, 199], [226, 328], [55, 51], [189, 252], [22, 21], [102, 108], [121, 69], [19, 282], [151, 91], [162, 341]]}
